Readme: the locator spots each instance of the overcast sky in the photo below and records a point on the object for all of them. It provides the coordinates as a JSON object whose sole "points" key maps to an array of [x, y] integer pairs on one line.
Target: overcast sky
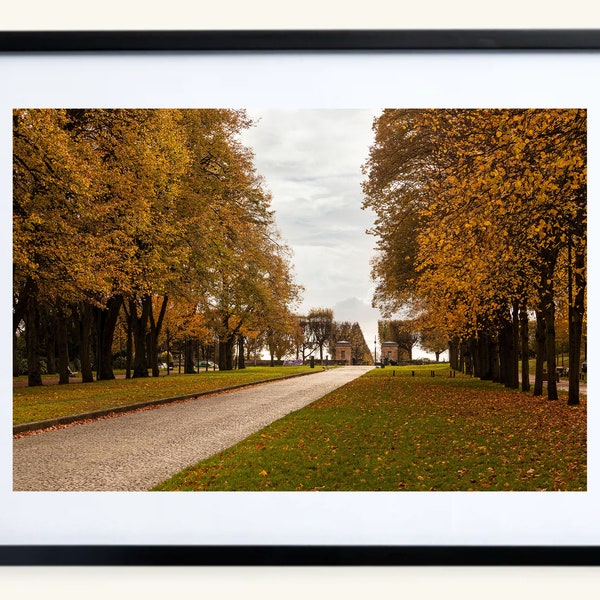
{"points": [[311, 161]]}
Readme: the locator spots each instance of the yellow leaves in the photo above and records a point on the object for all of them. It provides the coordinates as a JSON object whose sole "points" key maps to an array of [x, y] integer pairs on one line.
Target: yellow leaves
{"points": [[500, 184], [263, 473]]}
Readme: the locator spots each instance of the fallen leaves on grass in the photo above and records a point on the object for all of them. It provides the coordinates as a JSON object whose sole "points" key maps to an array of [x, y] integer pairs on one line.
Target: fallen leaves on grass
{"points": [[380, 433]]}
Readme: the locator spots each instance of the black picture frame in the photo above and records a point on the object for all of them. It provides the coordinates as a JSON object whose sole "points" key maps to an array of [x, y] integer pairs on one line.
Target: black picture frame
{"points": [[572, 40]]}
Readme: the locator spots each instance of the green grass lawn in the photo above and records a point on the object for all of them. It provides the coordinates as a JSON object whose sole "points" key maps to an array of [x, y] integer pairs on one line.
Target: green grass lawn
{"points": [[49, 401], [389, 430]]}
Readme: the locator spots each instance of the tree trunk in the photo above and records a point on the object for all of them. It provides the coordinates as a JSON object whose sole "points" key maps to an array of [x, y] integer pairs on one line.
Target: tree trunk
{"points": [[504, 337], [226, 354], [474, 351], [50, 345], [241, 362], [21, 303], [514, 366], [189, 358], [129, 349], [85, 332], [466, 359], [540, 353], [550, 347], [138, 328], [107, 323], [494, 353], [486, 358], [508, 344], [546, 295], [453, 354], [16, 356], [63, 348], [155, 328], [576, 312], [169, 353], [34, 373], [524, 329]]}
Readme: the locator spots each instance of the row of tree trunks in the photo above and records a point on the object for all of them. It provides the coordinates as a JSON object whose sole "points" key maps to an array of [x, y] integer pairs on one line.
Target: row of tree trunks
{"points": [[93, 330], [545, 329], [497, 357], [494, 357]]}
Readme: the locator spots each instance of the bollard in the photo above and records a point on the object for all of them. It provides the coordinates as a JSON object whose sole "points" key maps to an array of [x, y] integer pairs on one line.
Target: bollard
{"points": [[433, 373], [394, 373], [413, 373]]}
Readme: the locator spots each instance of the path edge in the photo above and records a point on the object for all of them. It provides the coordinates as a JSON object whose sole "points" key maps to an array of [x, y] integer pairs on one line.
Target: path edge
{"points": [[104, 412]]}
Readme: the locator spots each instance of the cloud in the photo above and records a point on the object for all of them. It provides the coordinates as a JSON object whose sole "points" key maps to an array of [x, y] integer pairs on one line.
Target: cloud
{"points": [[311, 162]]}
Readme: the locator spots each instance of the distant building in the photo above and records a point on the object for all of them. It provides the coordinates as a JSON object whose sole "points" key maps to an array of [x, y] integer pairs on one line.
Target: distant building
{"points": [[389, 353], [343, 352]]}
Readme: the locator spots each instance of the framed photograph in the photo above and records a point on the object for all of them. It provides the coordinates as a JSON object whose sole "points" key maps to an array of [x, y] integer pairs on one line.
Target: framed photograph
{"points": [[328, 133]]}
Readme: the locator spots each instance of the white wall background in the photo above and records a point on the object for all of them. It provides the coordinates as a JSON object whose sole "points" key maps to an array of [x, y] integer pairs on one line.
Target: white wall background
{"points": [[307, 14]]}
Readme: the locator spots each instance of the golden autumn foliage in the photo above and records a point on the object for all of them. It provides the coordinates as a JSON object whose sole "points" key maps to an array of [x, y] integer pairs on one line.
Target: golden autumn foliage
{"points": [[154, 211], [475, 210]]}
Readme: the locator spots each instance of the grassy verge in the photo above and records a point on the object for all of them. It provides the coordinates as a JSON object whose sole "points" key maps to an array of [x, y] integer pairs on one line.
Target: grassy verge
{"points": [[46, 402], [387, 431]]}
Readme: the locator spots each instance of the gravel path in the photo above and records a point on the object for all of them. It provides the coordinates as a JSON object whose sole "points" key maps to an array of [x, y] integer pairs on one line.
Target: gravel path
{"points": [[135, 451]]}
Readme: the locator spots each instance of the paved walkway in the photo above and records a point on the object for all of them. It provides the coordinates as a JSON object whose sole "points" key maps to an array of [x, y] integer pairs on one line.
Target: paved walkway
{"points": [[562, 385], [136, 451]]}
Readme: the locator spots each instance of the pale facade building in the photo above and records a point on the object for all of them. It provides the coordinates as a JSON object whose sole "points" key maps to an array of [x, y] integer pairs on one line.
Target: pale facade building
{"points": [[343, 352], [389, 352]]}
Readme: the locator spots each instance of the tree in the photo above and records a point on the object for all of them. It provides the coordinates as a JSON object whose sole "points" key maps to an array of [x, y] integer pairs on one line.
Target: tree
{"points": [[53, 217], [238, 263], [492, 197], [433, 340], [319, 325]]}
